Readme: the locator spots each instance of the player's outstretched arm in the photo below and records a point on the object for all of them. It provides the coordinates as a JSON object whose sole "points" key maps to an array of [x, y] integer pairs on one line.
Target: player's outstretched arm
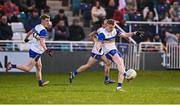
{"points": [[126, 35], [92, 36], [28, 35], [130, 34]]}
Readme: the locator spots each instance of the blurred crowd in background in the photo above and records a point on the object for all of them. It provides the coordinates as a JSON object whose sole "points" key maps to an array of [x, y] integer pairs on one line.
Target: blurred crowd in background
{"points": [[91, 13]]}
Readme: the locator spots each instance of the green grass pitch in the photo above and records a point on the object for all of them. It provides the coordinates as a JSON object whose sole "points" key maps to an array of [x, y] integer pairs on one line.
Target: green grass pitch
{"points": [[155, 87]]}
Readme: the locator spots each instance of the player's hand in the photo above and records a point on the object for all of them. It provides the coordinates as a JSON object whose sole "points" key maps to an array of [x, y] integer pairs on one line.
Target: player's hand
{"points": [[139, 33], [26, 40], [49, 52]]}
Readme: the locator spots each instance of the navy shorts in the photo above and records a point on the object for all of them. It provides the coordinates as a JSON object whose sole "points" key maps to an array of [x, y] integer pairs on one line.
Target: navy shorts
{"points": [[96, 56], [112, 53], [34, 55]]}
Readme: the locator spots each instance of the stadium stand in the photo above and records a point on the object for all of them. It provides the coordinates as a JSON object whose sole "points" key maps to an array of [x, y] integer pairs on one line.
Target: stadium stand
{"points": [[124, 11], [18, 30]]}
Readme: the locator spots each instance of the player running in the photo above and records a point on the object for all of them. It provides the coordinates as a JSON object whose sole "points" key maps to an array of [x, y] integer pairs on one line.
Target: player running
{"points": [[106, 41], [37, 47], [95, 56]]}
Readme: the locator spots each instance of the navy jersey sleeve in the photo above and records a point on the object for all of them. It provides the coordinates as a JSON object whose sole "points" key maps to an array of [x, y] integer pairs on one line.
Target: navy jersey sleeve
{"points": [[100, 37], [43, 33], [118, 31]]}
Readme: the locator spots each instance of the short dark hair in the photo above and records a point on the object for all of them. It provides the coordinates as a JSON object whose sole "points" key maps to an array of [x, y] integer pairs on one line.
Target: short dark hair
{"points": [[44, 16], [34, 10], [61, 10], [111, 22]]}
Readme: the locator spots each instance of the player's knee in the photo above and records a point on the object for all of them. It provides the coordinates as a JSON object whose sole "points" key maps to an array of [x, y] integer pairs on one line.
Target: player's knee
{"points": [[39, 66], [39, 69]]}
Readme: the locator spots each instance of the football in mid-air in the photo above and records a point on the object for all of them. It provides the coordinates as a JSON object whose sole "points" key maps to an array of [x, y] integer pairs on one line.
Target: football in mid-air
{"points": [[131, 74]]}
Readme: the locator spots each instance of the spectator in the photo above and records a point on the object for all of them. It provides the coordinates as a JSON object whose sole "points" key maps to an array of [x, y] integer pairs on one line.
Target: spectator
{"points": [[135, 16], [50, 33], [86, 13], [110, 9], [119, 16], [141, 4], [164, 27], [162, 7], [178, 36], [157, 38], [131, 6], [61, 31], [175, 15], [5, 30], [150, 29], [97, 13], [46, 10], [174, 12], [150, 16], [171, 38], [33, 20], [60, 16], [10, 8], [40, 4], [76, 31], [25, 5], [167, 18], [75, 4]]}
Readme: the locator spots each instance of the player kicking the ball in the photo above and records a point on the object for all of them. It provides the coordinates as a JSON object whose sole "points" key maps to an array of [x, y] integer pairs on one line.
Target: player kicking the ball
{"points": [[106, 40], [37, 47], [95, 56]]}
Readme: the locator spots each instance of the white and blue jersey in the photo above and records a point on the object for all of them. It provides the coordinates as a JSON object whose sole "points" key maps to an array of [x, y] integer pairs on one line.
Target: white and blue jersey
{"points": [[39, 31], [95, 53], [108, 39], [94, 50]]}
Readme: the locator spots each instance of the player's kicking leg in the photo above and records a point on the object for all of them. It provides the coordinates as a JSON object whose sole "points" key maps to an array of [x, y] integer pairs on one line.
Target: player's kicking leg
{"points": [[92, 60], [121, 70], [38, 66], [115, 56], [107, 65]]}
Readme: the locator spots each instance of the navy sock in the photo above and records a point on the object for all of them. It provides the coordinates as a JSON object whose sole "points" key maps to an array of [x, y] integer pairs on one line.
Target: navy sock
{"points": [[119, 84], [124, 74], [106, 77], [75, 72], [40, 81], [13, 65]]}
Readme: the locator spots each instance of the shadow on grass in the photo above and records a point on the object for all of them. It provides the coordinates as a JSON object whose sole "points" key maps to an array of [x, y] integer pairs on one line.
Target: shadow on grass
{"points": [[59, 84]]}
